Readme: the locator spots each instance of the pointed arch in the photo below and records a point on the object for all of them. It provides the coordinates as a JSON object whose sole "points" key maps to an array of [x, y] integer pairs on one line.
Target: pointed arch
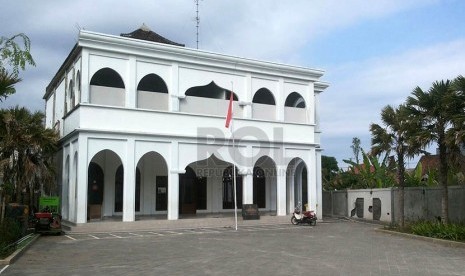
{"points": [[211, 90]]}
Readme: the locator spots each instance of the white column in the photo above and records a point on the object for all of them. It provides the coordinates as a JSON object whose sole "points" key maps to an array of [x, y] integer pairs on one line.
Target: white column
{"points": [[131, 85], [72, 188], [290, 190], [129, 187], [311, 180], [281, 191], [81, 180], [317, 112], [248, 96], [85, 78], [280, 100], [69, 208], [247, 187], [319, 186], [173, 183], [174, 88]]}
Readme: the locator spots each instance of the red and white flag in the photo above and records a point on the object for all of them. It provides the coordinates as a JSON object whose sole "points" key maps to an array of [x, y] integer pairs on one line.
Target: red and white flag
{"points": [[230, 110]]}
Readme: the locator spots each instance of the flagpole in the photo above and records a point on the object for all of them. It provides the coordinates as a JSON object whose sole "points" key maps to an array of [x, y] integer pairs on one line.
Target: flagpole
{"points": [[234, 157]]}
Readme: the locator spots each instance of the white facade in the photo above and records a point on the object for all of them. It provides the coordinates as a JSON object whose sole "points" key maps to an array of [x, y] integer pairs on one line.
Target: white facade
{"points": [[142, 131]]}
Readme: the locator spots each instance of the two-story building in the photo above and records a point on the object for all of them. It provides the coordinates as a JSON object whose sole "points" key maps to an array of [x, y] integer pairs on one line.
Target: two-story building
{"points": [[142, 127]]}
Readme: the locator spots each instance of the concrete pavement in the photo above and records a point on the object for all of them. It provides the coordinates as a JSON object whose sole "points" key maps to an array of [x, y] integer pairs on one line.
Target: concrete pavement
{"points": [[337, 247]]}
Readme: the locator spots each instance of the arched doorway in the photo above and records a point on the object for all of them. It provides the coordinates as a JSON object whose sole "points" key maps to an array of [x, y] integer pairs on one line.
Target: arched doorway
{"points": [[95, 186], [153, 184], [119, 190], [296, 184], [265, 184], [192, 192], [228, 188]]}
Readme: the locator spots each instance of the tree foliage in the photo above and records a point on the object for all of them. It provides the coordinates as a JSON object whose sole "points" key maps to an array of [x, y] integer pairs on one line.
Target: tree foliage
{"points": [[329, 169], [15, 54], [439, 115], [26, 153]]}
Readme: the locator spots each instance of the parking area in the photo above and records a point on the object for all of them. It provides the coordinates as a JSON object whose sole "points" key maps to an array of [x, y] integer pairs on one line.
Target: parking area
{"points": [[332, 248]]}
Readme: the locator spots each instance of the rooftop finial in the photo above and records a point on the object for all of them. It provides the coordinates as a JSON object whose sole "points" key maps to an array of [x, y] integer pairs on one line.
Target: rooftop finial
{"points": [[145, 28]]}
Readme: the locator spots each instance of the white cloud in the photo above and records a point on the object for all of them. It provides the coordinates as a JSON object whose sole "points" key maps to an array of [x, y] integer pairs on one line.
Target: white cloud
{"points": [[362, 89]]}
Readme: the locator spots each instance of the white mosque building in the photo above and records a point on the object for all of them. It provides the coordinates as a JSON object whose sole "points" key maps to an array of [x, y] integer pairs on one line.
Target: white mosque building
{"points": [[142, 130]]}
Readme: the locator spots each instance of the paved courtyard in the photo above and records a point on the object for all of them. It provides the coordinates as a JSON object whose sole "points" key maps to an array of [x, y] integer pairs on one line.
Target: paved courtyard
{"points": [[330, 248]]}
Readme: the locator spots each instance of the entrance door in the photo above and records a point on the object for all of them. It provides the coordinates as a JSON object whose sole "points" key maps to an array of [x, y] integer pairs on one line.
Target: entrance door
{"points": [[228, 189], [187, 192], [94, 191], [259, 187], [162, 193]]}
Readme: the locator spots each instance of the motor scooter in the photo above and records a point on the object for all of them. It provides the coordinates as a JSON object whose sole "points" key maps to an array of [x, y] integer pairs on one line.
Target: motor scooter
{"points": [[299, 217]]}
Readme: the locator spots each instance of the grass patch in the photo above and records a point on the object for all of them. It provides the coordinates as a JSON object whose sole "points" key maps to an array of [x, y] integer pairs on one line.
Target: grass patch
{"points": [[434, 229]]}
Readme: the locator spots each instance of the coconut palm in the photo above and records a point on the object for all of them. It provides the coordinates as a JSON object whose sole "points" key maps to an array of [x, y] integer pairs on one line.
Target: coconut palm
{"points": [[457, 134], [393, 137], [7, 83], [435, 110], [28, 147]]}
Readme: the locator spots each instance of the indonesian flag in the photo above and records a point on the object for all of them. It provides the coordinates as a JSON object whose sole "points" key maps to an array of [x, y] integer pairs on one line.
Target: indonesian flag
{"points": [[230, 111]]}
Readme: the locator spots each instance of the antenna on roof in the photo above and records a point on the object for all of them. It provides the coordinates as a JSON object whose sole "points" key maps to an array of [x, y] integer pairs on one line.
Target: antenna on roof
{"points": [[197, 20]]}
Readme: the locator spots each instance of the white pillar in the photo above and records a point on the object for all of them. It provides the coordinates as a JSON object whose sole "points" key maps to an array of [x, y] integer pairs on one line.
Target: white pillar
{"points": [[174, 88], [248, 96], [319, 186], [247, 187], [85, 78], [280, 100], [81, 180], [281, 191], [311, 180], [317, 112], [131, 83], [64, 199], [129, 186], [173, 183]]}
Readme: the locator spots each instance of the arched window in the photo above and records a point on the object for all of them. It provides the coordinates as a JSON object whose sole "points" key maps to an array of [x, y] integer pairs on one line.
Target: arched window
{"points": [[71, 94], [295, 100], [107, 77], [78, 84], [263, 96], [152, 83], [211, 90], [107, 88]]}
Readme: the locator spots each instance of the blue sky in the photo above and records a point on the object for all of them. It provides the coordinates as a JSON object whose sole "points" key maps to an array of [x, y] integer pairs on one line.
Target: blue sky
{"points": [[374, 52]]}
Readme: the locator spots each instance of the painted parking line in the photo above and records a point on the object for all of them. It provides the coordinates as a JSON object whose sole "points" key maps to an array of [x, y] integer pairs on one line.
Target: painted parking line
{"points": [[172, 232], [156, 234], [95, 237], [3, 269], [69, 237], [116, 236]]}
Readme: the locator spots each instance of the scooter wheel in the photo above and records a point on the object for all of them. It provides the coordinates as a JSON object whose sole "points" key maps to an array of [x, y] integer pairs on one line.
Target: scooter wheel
{"points": [[313, 223], [294, 220]]}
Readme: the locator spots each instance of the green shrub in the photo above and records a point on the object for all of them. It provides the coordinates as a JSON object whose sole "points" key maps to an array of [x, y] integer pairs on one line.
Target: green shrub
{"points": [[10, 232], [455, 232]]}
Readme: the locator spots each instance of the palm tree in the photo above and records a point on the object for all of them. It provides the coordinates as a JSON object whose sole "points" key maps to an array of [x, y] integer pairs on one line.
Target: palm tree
{"points": [[457, 134], [393, 137], [7, 83], [435, 110], [28, 148]]}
